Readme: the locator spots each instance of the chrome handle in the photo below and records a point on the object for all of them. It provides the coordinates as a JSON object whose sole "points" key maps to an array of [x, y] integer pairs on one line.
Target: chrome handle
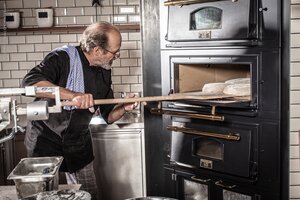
{"points": [[200, 179], [229, 136], [187, 2], [221, 184]]}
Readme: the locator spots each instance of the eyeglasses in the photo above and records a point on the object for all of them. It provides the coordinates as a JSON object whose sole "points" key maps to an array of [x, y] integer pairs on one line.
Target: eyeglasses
{"points": [[116, 54]]}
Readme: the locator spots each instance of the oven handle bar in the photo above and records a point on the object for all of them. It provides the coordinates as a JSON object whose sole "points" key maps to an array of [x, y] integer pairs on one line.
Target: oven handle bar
{"points": [[184, 114], [220, 183], [187, 2], [200, 179], [229, 136]]}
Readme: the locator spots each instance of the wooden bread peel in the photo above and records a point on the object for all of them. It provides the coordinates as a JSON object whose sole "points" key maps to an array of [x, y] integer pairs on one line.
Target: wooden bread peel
{"points": [[180, 96]]}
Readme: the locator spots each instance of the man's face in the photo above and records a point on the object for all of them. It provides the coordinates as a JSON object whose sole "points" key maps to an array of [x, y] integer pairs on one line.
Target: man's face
{"points": [[105, 57], [110, 56]]}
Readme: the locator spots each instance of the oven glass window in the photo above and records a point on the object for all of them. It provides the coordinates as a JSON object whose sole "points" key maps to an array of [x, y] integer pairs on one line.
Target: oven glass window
{"points": [[195, 191], [229, 195], [206, 18], [210, 148]]}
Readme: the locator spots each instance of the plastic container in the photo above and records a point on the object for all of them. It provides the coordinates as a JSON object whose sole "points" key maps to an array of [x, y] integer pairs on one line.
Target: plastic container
{"points": [[34, 175], [44, 17], [12, 19]]}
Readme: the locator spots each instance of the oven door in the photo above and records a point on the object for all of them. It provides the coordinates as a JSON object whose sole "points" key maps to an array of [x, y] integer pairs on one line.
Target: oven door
{"points": [[221, 20], [192, 186], [226, 148]]}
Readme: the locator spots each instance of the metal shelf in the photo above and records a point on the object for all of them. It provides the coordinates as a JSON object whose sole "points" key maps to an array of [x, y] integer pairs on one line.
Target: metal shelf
{"points": [[122, 27]]}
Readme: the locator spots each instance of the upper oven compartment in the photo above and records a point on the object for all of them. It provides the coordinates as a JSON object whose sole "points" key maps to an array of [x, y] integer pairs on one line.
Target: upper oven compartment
{"points": [[218, 20]]}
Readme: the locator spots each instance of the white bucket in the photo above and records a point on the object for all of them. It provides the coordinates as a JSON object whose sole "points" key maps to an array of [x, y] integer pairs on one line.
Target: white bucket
{"points": [[12, 19], [44, 17]]}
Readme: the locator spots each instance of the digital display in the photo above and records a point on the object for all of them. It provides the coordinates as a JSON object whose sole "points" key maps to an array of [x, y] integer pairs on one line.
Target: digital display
{"points": [[9, 18], [43, 15]]}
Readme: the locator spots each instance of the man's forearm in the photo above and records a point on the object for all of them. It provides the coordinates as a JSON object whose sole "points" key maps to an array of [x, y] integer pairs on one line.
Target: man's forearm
{"points": [[65, 94], [116, 113]]}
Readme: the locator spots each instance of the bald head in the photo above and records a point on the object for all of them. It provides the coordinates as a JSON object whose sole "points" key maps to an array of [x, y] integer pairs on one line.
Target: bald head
{"points": [[99, 35]]}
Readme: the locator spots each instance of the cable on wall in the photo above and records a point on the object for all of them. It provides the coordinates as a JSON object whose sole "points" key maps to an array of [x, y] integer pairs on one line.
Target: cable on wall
{"points": [[96, 3]]}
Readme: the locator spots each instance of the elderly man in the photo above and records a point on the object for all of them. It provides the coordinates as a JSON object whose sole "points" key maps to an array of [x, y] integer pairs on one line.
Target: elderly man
{"points": [[83, 74]]}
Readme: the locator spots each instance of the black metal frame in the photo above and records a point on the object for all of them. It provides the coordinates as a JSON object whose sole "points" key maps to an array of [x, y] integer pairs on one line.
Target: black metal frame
{"points": [[160, 181]]}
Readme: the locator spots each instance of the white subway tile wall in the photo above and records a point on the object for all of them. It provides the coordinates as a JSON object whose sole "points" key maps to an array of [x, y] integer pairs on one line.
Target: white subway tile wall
{"points": [[10, 66], [14, 4], [134, 18], [74, 12], [120, 19], [21, 51], [127, 10], [295, 101], [295, 69], [11, 82], [48, 3]]}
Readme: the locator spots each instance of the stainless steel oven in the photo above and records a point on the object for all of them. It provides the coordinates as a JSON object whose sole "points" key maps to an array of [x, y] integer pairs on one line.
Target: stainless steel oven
{"points": [[219, 23], [212, 20]]}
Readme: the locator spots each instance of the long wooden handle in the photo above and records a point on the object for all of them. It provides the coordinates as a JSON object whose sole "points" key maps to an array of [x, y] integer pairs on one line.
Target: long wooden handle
{"points": [[204, 96]]}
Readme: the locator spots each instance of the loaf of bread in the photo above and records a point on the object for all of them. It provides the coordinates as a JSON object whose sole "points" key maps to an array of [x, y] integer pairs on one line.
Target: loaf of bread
{"points": [[239, 89], [215, 88], [238, 81]]}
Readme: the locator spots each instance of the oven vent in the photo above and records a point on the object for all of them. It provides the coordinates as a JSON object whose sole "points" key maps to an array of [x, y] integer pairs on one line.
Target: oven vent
{"points": [[187, 2]]}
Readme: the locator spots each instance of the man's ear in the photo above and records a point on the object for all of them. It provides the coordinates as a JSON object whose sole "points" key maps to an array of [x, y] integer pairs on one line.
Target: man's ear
{"points": [[97, 50]]}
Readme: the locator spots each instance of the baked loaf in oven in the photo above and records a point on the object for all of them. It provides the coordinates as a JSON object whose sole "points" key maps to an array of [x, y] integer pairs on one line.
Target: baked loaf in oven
{"points": [[234, 87], [239, 89], [215, 88], [238, 81]]}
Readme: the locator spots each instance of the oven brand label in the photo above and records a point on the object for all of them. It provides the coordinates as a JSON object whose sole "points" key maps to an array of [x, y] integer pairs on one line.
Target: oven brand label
{"points": [[204, 35], [206, 163]]}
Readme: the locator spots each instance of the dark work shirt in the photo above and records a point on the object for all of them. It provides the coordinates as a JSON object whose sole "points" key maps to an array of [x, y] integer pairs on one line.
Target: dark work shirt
{"points": [[67, 133]]}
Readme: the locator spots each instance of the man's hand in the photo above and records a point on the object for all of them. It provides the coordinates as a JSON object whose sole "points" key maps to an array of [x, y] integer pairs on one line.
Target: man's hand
{"points": [[130, 106], [83, 101]]}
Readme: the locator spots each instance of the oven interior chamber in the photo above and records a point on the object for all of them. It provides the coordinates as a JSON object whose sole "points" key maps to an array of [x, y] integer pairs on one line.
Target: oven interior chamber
{"points": [[192, 75]]}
